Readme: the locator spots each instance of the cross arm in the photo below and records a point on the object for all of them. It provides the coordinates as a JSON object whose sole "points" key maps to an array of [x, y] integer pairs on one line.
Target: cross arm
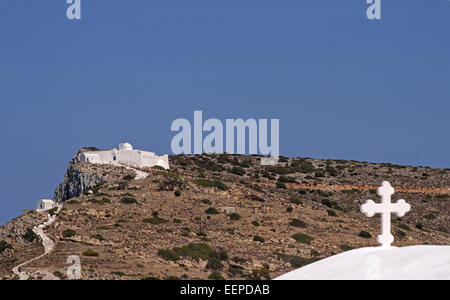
{"points": [[402, 208], [370, 208]]}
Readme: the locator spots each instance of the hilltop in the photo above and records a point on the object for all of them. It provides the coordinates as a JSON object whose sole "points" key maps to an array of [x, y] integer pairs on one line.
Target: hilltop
{"points": [[214, 216]]}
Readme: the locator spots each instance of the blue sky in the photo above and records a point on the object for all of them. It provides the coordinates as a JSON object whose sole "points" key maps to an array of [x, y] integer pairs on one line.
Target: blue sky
{"points": [[341, 85]]}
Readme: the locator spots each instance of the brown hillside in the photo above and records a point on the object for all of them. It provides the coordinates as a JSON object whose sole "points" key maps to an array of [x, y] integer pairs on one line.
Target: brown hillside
{"points": [[227, 213]]}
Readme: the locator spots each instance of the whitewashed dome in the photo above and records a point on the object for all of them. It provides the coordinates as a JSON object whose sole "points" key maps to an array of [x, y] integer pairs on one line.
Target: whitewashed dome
{"points": [[125, 146]]}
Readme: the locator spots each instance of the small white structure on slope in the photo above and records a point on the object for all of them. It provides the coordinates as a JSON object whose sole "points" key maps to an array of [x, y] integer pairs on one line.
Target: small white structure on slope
{"points": [[385, 208], [46, 204], [128, 156]]}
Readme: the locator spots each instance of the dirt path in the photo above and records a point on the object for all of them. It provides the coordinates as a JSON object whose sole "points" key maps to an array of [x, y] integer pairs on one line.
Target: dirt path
{"points": [[48, 246], [139, 174], [337, 187], [326, 187]]}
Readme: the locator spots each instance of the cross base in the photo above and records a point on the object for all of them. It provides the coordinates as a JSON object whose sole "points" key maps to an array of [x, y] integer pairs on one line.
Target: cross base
{"points": [[385, 240]]}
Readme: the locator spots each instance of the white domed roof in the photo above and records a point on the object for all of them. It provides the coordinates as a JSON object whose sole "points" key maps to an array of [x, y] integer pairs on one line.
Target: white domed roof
{"points": [[125, 146], [388, 263]]}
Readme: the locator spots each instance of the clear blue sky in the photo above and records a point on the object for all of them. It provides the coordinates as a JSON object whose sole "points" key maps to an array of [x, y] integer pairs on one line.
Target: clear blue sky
{"points": [[341, 85]]}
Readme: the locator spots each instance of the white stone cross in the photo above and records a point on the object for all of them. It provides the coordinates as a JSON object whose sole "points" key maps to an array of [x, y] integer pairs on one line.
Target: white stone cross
{"points": [[385, 208]]}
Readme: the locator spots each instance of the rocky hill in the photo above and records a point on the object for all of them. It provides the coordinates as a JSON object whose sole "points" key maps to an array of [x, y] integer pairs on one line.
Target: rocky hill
{"points": [[214, 216]]}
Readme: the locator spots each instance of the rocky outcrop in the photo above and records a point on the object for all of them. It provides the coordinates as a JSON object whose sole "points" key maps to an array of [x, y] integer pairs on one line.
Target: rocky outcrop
{"points": [[76, 180], [82, 176]]}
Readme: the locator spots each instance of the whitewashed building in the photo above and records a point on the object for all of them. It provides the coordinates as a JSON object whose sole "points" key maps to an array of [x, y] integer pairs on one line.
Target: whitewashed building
{"points": [[46, 204], [128, 156]]}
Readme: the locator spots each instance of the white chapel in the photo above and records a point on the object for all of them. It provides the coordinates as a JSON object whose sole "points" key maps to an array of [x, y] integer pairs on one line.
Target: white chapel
{"points": [[128, 156], [46, 204]]}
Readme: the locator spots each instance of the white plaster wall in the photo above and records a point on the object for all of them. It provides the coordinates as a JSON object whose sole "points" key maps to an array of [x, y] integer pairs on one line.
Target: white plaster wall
{"points": [[136, 158], [98, 156], [163, 161], [46, 204], [130, 157], [91, 157], [106, 156]]}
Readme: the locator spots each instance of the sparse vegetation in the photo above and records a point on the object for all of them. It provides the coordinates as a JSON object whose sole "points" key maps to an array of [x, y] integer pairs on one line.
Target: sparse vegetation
{"points": [[30, 236], [168, 255], [234, 271], [302, 238], [237, 171], [286, 179], [239, 260], [351, 192], [101, 201], [295, 261], [196, 251], [212, 183], [430, 217], [331, 213], [90, 253], [73, 202], [297, 200], [212, 211], [327, 202], [257, 198], [4, 245], [104, 227], [171, 182], [58, 274], [128, 200], [214, 263], [263, 272], [192, 250], [69, 233], [206, 201], [128, 177], [215, 275], [281, 185], [234, 216], [365, 235], [156, 220], [404, 227], [52, 211], [98, 237], [298, 223], [258, 238], [345, 247]]}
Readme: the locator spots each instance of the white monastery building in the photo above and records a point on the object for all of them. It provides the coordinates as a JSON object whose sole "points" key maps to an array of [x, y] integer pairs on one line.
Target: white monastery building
{"points": [[46, 204], [128, 156]]}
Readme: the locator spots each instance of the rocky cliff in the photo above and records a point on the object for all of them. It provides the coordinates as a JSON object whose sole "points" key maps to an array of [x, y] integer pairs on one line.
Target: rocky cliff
{"points": [[82, 176], [77, 179]]}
